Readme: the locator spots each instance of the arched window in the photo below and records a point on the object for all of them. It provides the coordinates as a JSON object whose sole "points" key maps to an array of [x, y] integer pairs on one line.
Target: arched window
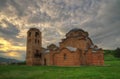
{"points": [[65, 56], [38, 41], [36, 34], [45, 61], [37, 54], [35, 40], [40, 55]]}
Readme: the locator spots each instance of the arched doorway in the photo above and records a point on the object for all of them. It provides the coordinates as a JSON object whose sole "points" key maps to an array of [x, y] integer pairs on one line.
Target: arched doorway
{"points": [[45, 61]]}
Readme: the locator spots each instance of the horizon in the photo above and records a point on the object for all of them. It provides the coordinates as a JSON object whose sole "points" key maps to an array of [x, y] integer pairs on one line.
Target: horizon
{"points": [[54, 18]]}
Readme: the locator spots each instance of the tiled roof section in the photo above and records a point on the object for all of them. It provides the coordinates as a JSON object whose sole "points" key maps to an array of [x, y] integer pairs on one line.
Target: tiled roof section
{"points": [[71, 48]]}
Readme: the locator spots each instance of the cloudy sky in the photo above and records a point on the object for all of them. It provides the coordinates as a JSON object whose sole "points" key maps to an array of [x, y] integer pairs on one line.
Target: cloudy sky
{"points": [[101, 18]]}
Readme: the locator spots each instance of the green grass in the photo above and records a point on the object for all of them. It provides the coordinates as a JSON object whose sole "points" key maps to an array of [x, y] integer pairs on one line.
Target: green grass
{"points": [[111, 70]]}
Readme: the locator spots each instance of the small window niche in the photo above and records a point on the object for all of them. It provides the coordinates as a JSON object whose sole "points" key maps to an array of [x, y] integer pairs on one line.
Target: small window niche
{"points": [[38, 41], [45, 61], [37, 54], [65, 56], [36, 34], [35, 41]]}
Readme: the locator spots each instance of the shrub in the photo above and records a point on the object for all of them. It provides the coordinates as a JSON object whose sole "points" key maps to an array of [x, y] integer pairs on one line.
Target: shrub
{"points": [[117, 53]]}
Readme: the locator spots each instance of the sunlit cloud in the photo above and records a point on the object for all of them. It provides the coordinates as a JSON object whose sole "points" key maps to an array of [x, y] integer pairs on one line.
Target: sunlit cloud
{"points": [[8, 46], [13, 54]]}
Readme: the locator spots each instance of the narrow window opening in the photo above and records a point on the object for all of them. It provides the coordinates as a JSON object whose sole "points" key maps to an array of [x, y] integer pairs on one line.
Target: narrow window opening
{"points": [[44, 61], [37, 54], [38, 41], [35, 40], [36, 34], [65, 57], [40, 55]]}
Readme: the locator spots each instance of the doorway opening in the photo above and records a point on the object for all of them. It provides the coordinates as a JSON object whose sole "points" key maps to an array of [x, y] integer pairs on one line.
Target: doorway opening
{"points": [[45, 61]]}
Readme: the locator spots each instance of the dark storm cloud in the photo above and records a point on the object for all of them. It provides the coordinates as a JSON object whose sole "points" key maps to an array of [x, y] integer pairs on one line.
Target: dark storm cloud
{"points": [[2, 3], [105, 27], [10, 31]]}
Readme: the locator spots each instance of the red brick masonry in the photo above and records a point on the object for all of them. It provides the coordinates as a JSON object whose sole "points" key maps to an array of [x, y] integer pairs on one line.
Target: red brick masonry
{"points": [[75, 50]]}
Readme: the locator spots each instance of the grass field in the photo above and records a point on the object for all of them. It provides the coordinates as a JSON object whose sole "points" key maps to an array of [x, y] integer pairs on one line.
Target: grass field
{"points": [[110, 71]]}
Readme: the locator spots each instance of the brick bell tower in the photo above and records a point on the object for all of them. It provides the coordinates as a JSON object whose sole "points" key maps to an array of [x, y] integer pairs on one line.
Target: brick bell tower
{"points": [[34, 46]]}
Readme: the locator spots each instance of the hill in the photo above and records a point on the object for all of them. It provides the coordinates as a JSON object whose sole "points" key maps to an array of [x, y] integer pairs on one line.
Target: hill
{"points": [[8, 60]]}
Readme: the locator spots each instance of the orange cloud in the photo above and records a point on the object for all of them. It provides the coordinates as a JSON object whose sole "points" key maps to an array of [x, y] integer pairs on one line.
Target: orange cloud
{"points": [[13, 55]]}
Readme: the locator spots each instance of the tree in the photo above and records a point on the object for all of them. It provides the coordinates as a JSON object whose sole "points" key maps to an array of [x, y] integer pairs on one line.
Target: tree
{"points": [[117, 53]]}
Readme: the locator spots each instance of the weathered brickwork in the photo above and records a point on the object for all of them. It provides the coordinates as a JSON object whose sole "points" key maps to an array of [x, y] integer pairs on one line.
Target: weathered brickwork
{"points": [[75, 50]]}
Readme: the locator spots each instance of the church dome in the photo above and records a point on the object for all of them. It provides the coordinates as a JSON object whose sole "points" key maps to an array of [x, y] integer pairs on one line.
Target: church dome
{"points": [[76, 29], [76, 32]]}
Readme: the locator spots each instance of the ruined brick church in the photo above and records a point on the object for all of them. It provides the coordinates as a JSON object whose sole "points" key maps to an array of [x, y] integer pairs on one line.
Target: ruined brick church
{"points": [[75, 50]]}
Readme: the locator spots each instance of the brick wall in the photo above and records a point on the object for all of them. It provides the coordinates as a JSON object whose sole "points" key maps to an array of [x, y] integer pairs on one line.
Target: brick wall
{"points": [[66, 58]]}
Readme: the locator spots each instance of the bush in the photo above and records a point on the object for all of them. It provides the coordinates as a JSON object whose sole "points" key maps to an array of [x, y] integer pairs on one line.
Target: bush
{"points": [[109, 52], [117, 53]]}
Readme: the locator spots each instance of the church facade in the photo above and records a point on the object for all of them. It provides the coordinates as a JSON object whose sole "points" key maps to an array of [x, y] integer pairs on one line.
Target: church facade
{"points": [[75, 50]]}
